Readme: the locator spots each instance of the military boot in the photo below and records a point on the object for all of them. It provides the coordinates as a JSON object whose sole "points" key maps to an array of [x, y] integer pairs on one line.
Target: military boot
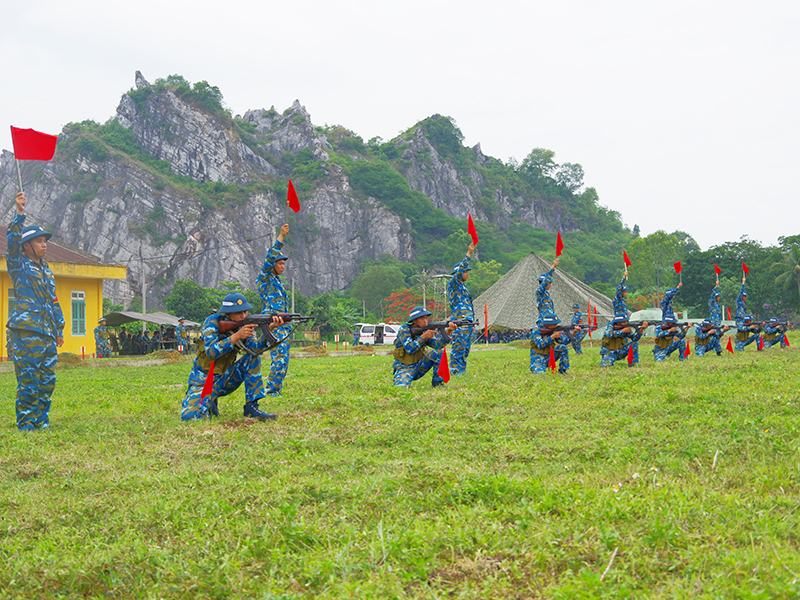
{"points": [[251, 410]]}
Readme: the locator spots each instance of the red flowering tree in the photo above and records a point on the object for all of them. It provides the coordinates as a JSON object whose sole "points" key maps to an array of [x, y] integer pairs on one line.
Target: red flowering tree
{"points": [[399, 304]]}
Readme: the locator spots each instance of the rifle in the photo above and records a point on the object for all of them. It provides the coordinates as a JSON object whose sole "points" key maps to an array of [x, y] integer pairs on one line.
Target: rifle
{"points": [[567, 329], [442, 325], [264, 321], [671, 325], [633, 324]]}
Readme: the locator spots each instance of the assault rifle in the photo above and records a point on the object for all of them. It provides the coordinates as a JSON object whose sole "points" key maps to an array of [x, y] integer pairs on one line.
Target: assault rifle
{"points": [[720, 328], [442, 325], [264, 321], [632, 324], [671, 325], [567, 329]]}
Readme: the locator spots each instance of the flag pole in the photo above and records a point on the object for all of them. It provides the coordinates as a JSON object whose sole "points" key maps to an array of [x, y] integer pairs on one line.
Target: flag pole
{"points": [[19, 175]]}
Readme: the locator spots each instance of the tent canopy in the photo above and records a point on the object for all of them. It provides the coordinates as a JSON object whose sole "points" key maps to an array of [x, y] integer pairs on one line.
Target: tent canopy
{"points": [[511, 301], [159, 318]]}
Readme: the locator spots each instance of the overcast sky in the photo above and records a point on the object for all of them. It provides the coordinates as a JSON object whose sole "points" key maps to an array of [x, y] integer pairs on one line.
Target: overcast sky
{"points": [[684, 115]]}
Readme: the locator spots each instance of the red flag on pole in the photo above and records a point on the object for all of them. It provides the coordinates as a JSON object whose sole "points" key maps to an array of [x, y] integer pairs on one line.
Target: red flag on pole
{"points": [[471, 229], [786, 339], [552, 362], [730, 346], [486, 319], [291, 198], [589, 310], [687, 351], [729, 314], [559, 245], [208, 386], [677, 266], [628, 262], [444, 368], [630, 354], [717, 270], [32, 145], [761, 342], [745, 269]]}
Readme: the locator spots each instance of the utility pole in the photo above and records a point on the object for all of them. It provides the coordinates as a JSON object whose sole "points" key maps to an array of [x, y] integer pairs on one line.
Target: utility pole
{"points": [[144, 289]]}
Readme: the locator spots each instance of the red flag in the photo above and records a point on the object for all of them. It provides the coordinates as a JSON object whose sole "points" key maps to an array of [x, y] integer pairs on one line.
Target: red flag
{"points": [[761, 342], [559, 245], [595, 319], [786, 339], [552, 362], [486, 319], [630, 354], [730, 345], [729, 314], [677, 266], [745, 269], [628, 262], [208, 386], [687, 351], [589, 309], [471, 229], [33, 145], [717, 270], [291, 198], [444, 368]]}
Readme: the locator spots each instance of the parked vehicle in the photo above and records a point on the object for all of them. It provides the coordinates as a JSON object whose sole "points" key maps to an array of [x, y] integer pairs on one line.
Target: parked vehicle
{"points": [[374, 335]]}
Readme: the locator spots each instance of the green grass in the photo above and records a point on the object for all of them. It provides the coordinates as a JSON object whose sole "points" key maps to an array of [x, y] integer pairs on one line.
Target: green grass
{"points": [[503, 485]]}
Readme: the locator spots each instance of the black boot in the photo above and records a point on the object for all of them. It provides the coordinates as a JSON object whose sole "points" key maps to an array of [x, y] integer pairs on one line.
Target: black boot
{"points": [[251, 410]]}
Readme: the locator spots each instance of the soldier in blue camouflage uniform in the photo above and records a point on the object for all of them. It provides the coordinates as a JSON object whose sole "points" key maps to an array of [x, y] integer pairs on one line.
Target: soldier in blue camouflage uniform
{"points": [[774, 333], [667, 310], [182, 336], [36, 323], [747, 332], [546, 337], [619, 302], [617, 343], [714, 307], [230, 372], [414, 356], [101, 344], [274, 300], [577, 338], [544, 303], [669, 338], [707, 337], [460, 308]]}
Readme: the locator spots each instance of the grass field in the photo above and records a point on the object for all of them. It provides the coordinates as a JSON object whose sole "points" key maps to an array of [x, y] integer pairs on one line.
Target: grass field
{"points": [[665, 481]]}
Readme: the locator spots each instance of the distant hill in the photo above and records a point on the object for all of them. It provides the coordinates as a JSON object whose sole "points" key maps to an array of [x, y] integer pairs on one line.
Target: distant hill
{"points": [[176, 187]]}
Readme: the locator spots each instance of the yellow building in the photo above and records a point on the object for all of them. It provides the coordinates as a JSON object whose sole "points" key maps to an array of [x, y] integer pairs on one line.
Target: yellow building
{"points": [[79, 287]]}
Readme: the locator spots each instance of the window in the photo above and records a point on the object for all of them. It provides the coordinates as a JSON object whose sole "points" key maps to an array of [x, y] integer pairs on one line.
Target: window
{"points": [[78, 313]]}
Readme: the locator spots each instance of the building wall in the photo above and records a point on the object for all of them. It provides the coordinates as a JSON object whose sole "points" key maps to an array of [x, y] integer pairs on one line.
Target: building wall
{"points": [[65, 286]]}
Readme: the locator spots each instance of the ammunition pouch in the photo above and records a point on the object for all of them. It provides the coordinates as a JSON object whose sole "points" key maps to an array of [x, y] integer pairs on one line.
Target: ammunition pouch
{"points": [[612, 343], [768, 337], [742, 336], [540, 351], [221, 364], [406, 358], [699, 342], [663, 342]]}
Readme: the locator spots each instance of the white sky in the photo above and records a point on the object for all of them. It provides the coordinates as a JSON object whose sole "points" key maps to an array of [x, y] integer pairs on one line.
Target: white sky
{"points": [[684, 115]]}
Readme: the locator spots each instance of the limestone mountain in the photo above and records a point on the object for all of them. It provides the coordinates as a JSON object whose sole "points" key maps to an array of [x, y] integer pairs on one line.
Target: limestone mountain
{"points": [[174, 187]]}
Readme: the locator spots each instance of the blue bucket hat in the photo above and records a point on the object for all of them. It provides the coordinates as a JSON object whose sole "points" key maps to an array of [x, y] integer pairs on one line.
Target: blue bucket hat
{"points": [[620, 318], [281, 256], [747, 318], [575, 305], [773, 320], [417, 312], [669, 319], [707, 322], [34, 231], [744, 293], [233, 303], [550, 319], [181, 318], [102, 319]]}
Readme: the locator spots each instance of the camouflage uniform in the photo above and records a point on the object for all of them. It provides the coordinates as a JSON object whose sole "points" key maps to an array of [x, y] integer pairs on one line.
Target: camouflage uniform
{"points": [[540, 352], [619, 302], [543, 300], [415, 356], [774, 334], [102, 347], [229, 373], [714, 307], [577, 317], [616, 345], [668, 342], [274, 299], [667, 310], [461, 308], [33, 326], [707, 341], [183, 338], [743, 337]]}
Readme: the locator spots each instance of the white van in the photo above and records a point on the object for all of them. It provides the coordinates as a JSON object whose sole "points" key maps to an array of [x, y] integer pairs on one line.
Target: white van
{"points": [[382, 333]]}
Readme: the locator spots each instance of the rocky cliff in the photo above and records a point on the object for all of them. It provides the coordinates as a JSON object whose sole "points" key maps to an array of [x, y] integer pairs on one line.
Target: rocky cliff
{"points": [[202, 195]]}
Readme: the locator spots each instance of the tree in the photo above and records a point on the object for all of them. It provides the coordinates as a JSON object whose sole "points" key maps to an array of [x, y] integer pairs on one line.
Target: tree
{"points": [[570, 175], [483, 276], [376, 283], [652, 258], [538, 164], [788, 268]]}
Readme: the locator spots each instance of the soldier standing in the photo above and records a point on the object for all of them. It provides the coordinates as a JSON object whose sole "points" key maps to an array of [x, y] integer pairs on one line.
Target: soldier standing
{"points": [[461, 308]]}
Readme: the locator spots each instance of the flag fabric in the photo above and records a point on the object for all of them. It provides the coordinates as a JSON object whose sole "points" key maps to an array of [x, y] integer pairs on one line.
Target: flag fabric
{"points": [[729, 314], [730, 346], [486, 319], [628, 262], [786, 339], [559, 245], [552, 362], [677, 266], [717, 270], [444, 368], [745, 269], [761, 342], [33, 145], [291, 198], [688, 351], [471, 229], [208, 386], [630, 354]]}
